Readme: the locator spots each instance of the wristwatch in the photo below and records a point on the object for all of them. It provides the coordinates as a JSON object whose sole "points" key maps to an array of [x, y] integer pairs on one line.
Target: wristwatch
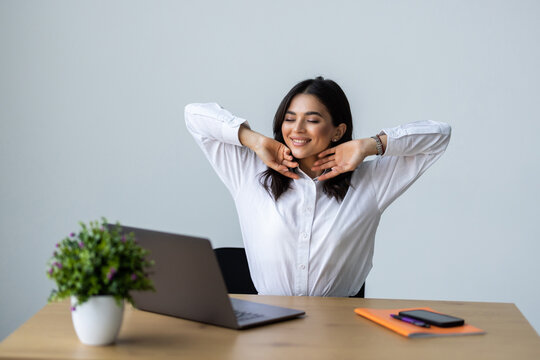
{"points": [[379, 145]]}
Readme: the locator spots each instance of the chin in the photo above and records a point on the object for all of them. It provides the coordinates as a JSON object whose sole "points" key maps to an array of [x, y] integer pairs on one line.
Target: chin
{"points": [[302, 155], [299, 155]]}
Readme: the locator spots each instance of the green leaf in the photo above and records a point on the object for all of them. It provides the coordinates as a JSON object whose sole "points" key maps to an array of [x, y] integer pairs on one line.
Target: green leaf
{"points": [[81, 264]]}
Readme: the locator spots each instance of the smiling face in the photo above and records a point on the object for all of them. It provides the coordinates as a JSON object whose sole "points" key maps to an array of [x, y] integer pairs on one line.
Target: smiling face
{"points": [[308, 129]]}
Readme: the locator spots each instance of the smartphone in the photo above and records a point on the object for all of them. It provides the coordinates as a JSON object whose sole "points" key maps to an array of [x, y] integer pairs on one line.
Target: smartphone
{"points": [[433, 318]]}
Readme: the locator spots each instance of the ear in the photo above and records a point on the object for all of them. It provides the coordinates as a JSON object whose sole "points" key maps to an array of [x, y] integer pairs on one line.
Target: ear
{"points": [[340, 130]]}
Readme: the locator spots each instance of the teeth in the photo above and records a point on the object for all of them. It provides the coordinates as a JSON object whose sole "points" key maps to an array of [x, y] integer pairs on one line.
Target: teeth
{"points": [[299, 142]]}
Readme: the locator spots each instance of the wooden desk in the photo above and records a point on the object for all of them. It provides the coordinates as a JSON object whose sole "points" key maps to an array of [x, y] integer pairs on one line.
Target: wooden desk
{"points": [[331, 330]]}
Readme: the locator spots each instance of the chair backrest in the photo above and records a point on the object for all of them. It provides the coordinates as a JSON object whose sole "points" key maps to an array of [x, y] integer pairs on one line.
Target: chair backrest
{"points": [[361, 292], [235, 270]]}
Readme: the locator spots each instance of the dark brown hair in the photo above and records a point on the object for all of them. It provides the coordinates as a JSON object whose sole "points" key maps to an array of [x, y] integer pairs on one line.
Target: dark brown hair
{"points": [[333, 98]]}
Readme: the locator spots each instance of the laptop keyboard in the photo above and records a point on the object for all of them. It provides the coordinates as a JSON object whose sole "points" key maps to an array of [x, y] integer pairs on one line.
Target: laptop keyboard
{"points": [[245, 315]]}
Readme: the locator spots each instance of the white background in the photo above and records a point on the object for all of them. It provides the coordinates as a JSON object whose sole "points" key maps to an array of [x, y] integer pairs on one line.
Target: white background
{"points": [[91, 124]]}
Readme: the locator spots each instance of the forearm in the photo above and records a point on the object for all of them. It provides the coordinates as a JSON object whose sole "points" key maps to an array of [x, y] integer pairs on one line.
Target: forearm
{"points": [[369, 146], [249, 138]]}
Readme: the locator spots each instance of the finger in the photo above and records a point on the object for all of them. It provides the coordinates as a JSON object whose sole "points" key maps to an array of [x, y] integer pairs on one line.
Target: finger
{"points": [[291, 175], [324, 166], [274, 165], [287, 154], [290, 164], [283, 170], [325, 160], [335, 172], [327, 152]]}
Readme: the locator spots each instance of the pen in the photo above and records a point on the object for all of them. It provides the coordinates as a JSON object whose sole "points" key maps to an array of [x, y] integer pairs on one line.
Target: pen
{"points": [[410, 320]]}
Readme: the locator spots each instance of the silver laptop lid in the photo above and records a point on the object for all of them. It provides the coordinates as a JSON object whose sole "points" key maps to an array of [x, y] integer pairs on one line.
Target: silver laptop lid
{"points": [[187, 279]]}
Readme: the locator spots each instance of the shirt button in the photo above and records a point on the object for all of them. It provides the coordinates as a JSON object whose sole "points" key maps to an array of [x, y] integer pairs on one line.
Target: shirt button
{"points": [[304, 235], [308, 210], [303, 267]]}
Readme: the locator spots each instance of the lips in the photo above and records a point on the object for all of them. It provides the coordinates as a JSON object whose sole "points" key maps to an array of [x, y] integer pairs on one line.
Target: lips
{"points": [[299, 141]]}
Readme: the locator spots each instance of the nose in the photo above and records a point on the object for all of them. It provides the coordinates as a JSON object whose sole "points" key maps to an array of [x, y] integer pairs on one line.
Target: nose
{"points": [[299, 125]]}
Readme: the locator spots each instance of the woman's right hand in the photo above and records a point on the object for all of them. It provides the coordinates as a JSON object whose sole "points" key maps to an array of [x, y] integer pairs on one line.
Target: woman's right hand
{"points": [[274, 154]]}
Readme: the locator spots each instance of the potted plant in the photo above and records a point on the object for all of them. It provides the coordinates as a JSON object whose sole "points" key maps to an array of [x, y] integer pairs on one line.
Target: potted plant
{"points": [[98, 267]]}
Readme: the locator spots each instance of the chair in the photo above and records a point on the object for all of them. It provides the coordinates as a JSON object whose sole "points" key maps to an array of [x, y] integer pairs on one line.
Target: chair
{"points": [[361, 292], [235, 270]]}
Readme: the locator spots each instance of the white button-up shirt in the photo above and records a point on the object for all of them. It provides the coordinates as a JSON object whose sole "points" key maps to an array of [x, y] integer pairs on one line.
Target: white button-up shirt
{"points": [[308, 243]]}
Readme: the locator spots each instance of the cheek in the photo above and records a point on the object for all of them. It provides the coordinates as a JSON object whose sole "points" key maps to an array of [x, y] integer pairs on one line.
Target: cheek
{"points": [[323, 134], [285, 130]]}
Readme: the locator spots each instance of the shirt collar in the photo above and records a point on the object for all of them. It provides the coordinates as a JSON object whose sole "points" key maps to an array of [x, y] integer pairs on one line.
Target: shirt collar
{"points": [[315, 179]]}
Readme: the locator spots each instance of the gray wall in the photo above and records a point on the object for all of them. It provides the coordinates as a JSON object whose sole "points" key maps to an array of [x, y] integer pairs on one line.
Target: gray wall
{"points": [[91, 124]]}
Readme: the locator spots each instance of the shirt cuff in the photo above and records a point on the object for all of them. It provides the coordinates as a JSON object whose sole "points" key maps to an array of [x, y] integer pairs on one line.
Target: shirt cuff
{"points": [[395, 147], [389, 149], [407, 139], [230, 126]]}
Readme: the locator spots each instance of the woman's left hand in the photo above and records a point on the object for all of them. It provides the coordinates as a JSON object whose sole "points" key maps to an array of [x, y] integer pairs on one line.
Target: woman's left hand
{"points": [[342, 158]]}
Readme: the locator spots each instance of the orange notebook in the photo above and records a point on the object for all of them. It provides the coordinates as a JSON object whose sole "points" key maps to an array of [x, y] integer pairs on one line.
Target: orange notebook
{"points": [[382, 317]]}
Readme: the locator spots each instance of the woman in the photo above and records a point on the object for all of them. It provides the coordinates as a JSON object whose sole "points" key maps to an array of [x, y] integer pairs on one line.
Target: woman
{"points": [[308, 203]]}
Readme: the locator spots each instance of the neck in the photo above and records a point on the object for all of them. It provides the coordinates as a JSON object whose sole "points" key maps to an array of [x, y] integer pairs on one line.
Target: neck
{"points": [[306, 165]]}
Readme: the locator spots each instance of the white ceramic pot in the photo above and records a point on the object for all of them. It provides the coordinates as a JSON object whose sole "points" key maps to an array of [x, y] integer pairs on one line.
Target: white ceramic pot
{"points": [[97, 321]]}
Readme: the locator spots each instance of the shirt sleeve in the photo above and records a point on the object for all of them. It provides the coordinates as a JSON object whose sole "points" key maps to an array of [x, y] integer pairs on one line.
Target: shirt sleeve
{"points": [[216, 132], [411, 149]]}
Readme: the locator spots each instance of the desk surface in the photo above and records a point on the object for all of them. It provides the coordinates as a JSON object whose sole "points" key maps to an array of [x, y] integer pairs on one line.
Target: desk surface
{"points": [[330, 330]]}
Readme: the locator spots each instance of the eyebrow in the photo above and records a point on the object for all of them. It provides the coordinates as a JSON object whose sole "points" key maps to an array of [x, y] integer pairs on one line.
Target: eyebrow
{"points": [[308, 113]]}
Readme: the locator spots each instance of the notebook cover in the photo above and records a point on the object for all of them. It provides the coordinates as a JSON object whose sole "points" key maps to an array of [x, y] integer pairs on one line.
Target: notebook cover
{"points": [[382, 317]]}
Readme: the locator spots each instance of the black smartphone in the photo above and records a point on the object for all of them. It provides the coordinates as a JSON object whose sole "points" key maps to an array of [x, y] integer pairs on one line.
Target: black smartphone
{"points": [[433, 318]]}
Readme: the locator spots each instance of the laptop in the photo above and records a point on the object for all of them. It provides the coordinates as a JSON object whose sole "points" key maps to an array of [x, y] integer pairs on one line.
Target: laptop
{"points": [[189, 284]]}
